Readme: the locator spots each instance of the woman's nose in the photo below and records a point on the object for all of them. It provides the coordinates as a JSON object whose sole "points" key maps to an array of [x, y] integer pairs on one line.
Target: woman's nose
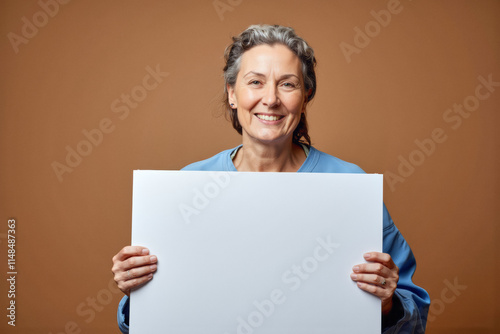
{"points": [[270, 97]]}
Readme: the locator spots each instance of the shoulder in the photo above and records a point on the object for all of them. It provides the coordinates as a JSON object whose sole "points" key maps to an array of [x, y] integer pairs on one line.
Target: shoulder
{"points": [[219, 162], [322, 162]]}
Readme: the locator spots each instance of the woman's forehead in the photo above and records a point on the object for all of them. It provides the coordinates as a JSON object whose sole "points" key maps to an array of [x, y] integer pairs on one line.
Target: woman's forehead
{"points": [[265, 58]]}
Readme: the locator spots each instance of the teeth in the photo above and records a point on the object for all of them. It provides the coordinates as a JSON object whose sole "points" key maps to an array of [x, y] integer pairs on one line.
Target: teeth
{"points": [[268, 117]]}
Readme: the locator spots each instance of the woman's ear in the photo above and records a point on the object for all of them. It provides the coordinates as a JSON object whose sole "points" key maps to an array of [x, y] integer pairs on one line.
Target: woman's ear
{"points": [[230, 96], [309, 92], [306, 99]]}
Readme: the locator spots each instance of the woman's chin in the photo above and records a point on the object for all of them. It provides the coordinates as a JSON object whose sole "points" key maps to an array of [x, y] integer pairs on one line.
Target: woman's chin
{"points": [[272, 139]]}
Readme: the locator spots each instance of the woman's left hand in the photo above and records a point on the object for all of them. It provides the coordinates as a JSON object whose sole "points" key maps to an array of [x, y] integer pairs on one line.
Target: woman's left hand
{"points": [[379, 277]]}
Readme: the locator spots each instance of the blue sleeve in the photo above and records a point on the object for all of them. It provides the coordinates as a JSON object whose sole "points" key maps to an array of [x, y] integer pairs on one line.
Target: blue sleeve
{"points": [[411, 304], [122, 314]]}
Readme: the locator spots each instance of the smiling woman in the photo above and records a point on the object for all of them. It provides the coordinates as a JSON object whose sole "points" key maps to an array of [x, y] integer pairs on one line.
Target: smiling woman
{"points": [[270, 78], [270, 100]]}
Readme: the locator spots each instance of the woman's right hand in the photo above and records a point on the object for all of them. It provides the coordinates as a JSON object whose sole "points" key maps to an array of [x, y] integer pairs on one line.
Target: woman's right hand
{"points": [[133, 267]]}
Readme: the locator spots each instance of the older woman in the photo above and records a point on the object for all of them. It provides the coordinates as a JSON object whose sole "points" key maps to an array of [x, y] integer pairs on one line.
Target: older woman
{"points": [[270, 79]]}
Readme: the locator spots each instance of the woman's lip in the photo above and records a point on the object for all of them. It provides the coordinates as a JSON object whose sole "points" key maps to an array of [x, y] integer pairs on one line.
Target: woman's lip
{"points": [[269, 117]]}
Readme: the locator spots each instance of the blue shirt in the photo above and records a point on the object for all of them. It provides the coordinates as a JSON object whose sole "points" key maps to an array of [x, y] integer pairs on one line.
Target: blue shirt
{"points": [[411, 302]]}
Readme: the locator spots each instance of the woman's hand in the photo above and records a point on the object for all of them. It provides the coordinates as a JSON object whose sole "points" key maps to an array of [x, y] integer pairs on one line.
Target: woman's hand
{"points": [[379, 277], [132, 267]]}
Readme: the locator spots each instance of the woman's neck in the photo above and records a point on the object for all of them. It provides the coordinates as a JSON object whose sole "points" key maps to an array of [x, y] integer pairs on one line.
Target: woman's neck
{"points": [[263, 157]]}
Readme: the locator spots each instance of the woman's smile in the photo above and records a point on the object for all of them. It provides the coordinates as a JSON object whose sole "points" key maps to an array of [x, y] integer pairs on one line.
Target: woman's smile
{"points": [[269, 118]]}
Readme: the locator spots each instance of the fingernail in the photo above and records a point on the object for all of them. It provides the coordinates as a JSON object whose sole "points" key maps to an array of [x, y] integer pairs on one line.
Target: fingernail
{"points": [[355, 268], [354, 277], [367, 255], [145, 251], [152, 259], [153, 267], [150, 276]]}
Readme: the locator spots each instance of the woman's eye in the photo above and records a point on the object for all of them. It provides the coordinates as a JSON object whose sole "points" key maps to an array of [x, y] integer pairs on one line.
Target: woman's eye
{"points": [[254, 82], [289, 85]]}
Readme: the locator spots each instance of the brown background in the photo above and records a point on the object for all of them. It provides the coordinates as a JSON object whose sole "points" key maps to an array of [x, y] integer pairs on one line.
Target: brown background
{"points": [[370, 111]]}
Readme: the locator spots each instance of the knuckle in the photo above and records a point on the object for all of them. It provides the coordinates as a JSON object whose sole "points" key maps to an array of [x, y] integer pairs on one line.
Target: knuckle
{"points": [[130, 284], [126, 251], [136, 282], [121, 286], [132, 261]]}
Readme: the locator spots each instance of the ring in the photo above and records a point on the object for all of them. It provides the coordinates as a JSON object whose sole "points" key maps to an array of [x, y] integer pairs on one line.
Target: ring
{"points": [[128, 275], [383, 282]]}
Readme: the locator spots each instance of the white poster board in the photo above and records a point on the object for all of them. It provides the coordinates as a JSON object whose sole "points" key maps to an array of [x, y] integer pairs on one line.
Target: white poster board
{"points": [[266, 253]]}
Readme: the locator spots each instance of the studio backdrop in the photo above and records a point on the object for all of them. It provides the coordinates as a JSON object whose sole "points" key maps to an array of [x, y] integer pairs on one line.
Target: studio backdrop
{"points": [[92, 90]]}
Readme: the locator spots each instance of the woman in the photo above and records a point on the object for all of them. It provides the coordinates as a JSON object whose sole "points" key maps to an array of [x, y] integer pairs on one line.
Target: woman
{"points": [[270, 79]]}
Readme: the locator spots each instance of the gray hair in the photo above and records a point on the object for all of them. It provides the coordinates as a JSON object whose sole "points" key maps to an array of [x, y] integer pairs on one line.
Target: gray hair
{"points": [[270, 35]]}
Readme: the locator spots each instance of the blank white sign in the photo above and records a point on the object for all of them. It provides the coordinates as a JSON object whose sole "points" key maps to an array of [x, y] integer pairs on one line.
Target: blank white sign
{"points": [[264, 253]]}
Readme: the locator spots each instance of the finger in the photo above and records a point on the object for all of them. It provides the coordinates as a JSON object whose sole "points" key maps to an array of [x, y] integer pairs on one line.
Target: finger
{"points": [[382, 258], [132, 262], [376, 280], [131, 274], [373, 268], [138, 261], [126, 286], [376, 290], [129, 251]]}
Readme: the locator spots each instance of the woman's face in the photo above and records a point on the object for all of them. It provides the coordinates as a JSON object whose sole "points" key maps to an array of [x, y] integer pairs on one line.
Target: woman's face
{"points": [[269, 93]]}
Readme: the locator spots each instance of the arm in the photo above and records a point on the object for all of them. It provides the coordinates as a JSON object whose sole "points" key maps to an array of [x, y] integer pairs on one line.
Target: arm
{"points": [[132, 267], [388, 275], [411, 302], [122, 314]]}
